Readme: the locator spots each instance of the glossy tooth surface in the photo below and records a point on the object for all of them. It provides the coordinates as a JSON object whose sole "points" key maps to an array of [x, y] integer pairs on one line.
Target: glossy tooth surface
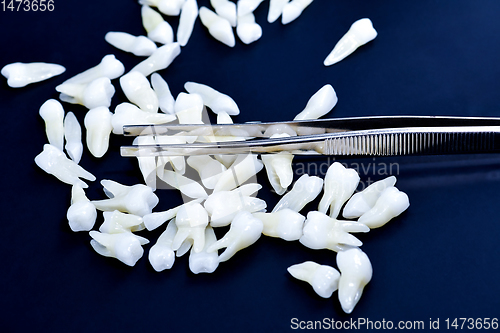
{"points": [[279, 170], [170, 7], [161, 255], [138, 45], [178, 163], [21, 74], [392, 202], [117, 222], [73, 136], [82, 213], [138, 91], [286, 224], [244, 231], [165, 99], [215, 100], [305, 190], [91, 95], [323, 232], [189, 13], [243, 168], [275, 9], [319, 104], [191, 221], [187, 186], [125, 247], [160, 59], [129, 114], [293, 9], [223, 206], [217, 26], [363, 201], [247, 30], [157, 28], [53, 161], [355, 273], [154, 220], [204, 262], [109, 67], [209, 169], [98, 124], [247, 6], [225, 9], [147, 164], [324, 279], [189, 108], [136, 199], [340, 183], [360, 33], [52, 113]]}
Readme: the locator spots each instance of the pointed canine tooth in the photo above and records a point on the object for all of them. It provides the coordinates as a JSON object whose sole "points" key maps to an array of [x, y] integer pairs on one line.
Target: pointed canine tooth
{"points": [[363, 201], [305, 190], [160, 59], [117, 222], [20, 74], [279, 170], [247, 6], [204, 262], [215, 100], [247, 30], [286, 224], [188, 187], [157, 28], [54, 162], [209, 169], [275, 9], [189, 108], [217, 26], [244, 231], [392, 202], [319, 104], [161, 255], [355, 273], [360, 33], [293, 9], [170, 7], [189, 13], [154, 220], [340, 183], [138, 91], [165, 99], [147, 164], [324, 279], [91, 95], [125, 247], [243, 168], [137, 45], [98, 124], [109, 67], [129, 114], [73, 136], [225, 9], [81, 214], [52, 113], [191, 221]]}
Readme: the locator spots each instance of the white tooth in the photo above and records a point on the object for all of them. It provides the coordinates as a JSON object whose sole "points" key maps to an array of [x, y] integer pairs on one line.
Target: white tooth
{"points": [[165, 99], [170, 7], [98, 124], [293, 9], [178, 163], [279, 131], [189, 108], [392, 202], [217, 26], [19, 74], [340, 183], [247, 6], [52, 113], [204, 262], [189, 13], [138, 91], [324, 279], [319, 104], [227, 160], [184, 248], [323, 232], [117, 222], [210, 170], [73, 136], [279, 170], [109, 67], [244, 231], [355, 273], [157, 28], [360, 33], [275, 9], [129, 114], [154, 220], [286, 224], [224, 205], [53, 161], [125, 247], [247, 30], [363, 201], [160, 59], [91, 95], [161, 255], [305, 190], [137, 199], [188, 187], [224, 118], [147, 164], [191, 221], [138, 45], [225, 9], [81, 214], [215, 100], [243, 168]]}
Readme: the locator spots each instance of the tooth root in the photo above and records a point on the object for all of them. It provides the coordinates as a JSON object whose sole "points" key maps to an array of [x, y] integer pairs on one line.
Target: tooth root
{"points": [[159, 60], [147, 164], [356, 271], [98, 124], [215, 100], [52, 113], [189, 13], [137, 45], [324, 279], [109, 67], [204, 262], [73, 136], [247, 6], [391, 203], [275, 9], [114, 189], [305, 190], [125, 247], [116, 222], [319, 104], [191, 221], [20, 74], [178, 163], [210, 170], [247, 29], [286, 224], [157, 28], [161, 255], [293, 9], [165, 99], [225, 9], [188, 187], [189, 108], [154, 220], [360, 33], [217, 26], [279, 170], [129, 114], [244, 168], [82, 213], [138, 91]]}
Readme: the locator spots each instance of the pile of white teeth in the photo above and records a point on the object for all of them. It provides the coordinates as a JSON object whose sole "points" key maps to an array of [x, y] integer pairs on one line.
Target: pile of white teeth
{"points": [[223, 191]]}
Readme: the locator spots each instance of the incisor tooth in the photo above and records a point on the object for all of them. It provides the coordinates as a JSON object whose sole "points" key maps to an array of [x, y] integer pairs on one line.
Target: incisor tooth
{"points": [[204, 262], [247, 29], [391, 203], [225, 9], [319, 104], [20, 74], [109, 67], [82, 213], [275, 9], [305, 190], [98, 124], [189, 13], [243, 168], [160, 59], [165, 99], [324, 279], [157, 28], [215, 100], [117, 222], [137, 89], [91, 95], [191, 221], [286, 224], [52, 113], [293, 9], [161, 255], [125, 247], [217, 26], [129, 114], [137, 45], [73, 136]]}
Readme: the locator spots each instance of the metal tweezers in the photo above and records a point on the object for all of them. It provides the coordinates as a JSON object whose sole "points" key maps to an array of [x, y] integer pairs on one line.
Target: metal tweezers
{"points": [[356, 136]]}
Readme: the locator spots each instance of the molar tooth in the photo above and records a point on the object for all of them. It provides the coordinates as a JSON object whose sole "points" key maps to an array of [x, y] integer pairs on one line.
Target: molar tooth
{"points": [[137, 45], [117, 222], [225, 9], [91, 95], [147, 164], [279, 170], [52, 113], [243, 168], [21, 74], [138, 91], [191, 221], [247, 6], [360, 33], [215, 100], [324, 279], [73, 136], [165, 99], [275, 9], [154, 220], [340, 183], [355, 273], [129, 114], [109, 67], [319, 104], [293, 9], [286, 224], [217, 26], [391, 203], [363, 201], [125, 247], [187, 186], [98, 124], [189, 108], [54, 162], [161, 255], [81, 214], [160, 59], [204, 262], [323, 232], [247, 30], [210, 170], [305, 190], [157, 28], [243, 232], [189, 13]]}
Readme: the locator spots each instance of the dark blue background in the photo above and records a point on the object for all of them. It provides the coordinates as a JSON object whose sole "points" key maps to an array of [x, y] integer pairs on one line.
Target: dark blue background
{"points": [[438, 260]]}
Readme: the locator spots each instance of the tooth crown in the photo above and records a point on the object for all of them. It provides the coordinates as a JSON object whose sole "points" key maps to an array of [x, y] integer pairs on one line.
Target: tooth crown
{"points": [[129, 114], [138, 91], [391, 203], [305, 190], [137, 45], [293, 9], [189, 13], [161, 255], [324, 279], [117, 222], [217, 26], [248, 31], [170, 7], [275, 9], [52, 113], [286, 224], [225, 9], [215, 100], [109, 67], [160, 59], [319, 104], [191, 221], [125, 247], [96, 93], [19, 74], [189, 108], [243, 168], [82, 213], [98, 124], [279, 170], [204, 262]]}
